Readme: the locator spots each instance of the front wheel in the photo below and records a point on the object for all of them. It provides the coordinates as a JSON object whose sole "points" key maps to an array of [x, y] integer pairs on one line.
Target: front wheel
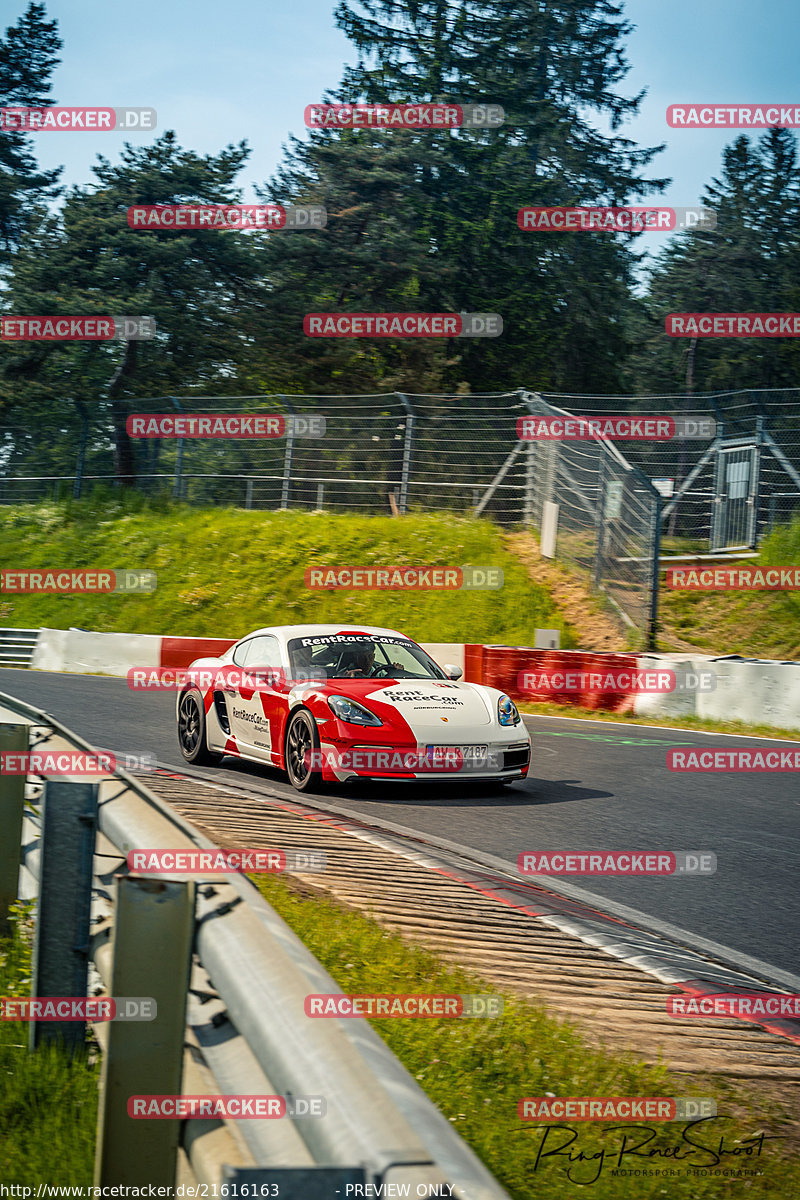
{"points": [[301, 751], [192, 732]]}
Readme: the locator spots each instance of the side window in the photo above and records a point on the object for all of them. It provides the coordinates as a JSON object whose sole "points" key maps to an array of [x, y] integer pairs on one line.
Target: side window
{"points": [[262, 651], [240, 653]]}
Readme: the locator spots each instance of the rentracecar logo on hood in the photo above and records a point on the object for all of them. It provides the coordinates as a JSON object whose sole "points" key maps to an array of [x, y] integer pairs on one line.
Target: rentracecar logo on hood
{"points": [[412, 695]]}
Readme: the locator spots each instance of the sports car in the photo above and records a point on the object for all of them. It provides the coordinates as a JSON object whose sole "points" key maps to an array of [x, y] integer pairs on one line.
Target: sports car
{"points": [[327, 704]]}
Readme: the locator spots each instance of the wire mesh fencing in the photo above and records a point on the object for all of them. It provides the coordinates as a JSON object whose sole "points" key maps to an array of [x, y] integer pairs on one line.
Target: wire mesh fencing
{"points": [[393, 453], [591, 504], [730, 489]]}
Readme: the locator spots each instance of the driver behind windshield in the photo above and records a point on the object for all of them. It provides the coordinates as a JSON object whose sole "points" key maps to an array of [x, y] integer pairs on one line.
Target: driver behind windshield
{"points": [[359, 663]]}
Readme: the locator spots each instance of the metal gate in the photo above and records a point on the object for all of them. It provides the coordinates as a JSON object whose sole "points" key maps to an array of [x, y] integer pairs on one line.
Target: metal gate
{"points": [[734, 515]]}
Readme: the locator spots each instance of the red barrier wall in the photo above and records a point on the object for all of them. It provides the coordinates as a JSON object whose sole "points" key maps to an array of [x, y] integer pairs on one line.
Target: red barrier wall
{"points": [[503, 666], [473, 663], [181, 652]]}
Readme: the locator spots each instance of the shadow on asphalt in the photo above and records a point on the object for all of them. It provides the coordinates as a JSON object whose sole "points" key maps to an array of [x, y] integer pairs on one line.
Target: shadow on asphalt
{"points": [[521, 794]]}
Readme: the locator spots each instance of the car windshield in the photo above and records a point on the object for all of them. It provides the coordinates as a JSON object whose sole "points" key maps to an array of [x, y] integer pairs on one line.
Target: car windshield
{"points": [[360, 656]]}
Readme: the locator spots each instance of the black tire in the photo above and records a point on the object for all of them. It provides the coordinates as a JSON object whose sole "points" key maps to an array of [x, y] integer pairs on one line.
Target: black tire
{"points": [[192, 732], [302, 741]]}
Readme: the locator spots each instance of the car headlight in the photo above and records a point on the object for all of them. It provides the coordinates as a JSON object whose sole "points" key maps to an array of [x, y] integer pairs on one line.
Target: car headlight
{"points": [[355, 714], [507, 711]]}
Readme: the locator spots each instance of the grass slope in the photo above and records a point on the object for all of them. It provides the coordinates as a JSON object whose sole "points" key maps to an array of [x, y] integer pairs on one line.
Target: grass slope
{"points": [[223, 572], [753, 624]]}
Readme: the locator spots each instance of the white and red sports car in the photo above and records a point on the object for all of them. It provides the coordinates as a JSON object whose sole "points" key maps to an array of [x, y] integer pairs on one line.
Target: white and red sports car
{"points": [[329, 704]]}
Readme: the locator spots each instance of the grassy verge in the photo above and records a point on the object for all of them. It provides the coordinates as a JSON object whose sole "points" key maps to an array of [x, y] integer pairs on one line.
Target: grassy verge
{"points": [[753, 624], [223, 572], [476, 1070], [700, 724], [48, 1101]]}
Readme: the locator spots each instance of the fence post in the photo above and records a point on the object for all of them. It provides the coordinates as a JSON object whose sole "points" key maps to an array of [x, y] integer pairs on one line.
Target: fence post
{"points": [[288, 457], [178, 481], [13, 740], [529, 509], [715, 532], [754, 497], [652, 624], [63, 911], [408, 443], [152, 957], [248, 496], [601, 517], [80, 464]]}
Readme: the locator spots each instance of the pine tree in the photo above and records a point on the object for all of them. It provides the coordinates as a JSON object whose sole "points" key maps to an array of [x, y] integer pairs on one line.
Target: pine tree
{"points": [[748, 263], [430, 217], [27, 59]]}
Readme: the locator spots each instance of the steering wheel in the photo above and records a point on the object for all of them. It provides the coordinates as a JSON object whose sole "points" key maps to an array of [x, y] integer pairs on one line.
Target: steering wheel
{"points": [[389, 670]]}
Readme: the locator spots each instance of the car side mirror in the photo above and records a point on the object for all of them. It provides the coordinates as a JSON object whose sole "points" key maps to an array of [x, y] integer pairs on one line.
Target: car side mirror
{"points": [[452, 672]]}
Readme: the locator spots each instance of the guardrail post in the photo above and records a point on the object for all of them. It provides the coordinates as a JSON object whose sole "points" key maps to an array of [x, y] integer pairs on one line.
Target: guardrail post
{"points": [[152, 956], [63, 911], [13, 740]]}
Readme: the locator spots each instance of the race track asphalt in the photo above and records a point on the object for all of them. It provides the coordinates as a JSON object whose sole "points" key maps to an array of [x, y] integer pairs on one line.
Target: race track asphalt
{"points": [[593, 786]]}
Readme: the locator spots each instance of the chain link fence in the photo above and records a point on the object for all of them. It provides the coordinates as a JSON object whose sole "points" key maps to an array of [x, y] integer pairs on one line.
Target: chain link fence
{"points": [[591, 505], [728, 492]]}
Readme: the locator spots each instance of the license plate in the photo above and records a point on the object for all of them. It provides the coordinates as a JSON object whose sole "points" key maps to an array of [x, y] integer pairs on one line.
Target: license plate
{"points": [[472, 756]]}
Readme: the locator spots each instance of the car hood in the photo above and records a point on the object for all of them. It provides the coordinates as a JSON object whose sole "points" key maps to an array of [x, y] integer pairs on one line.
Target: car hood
{"points": [[424, 702]]}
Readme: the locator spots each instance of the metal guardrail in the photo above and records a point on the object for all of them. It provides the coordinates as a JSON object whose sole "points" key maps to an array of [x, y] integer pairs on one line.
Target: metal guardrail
{"points": [[230, 979], [17, 646]]}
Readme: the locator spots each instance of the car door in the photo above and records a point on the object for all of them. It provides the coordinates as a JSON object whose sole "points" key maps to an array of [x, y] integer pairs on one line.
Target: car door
{"points": [[256, 701]]}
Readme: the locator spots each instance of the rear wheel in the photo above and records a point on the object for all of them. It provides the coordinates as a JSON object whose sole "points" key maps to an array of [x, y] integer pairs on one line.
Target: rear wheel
{"points": [[192, 732], [301, 750]]}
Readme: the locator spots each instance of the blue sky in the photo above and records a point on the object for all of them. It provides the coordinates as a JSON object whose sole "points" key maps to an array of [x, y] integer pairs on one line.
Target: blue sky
{"points": [[218, 73]]}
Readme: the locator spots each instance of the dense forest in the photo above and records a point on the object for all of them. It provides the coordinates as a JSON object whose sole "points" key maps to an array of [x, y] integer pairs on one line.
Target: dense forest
{"points": [[417, 221]]}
